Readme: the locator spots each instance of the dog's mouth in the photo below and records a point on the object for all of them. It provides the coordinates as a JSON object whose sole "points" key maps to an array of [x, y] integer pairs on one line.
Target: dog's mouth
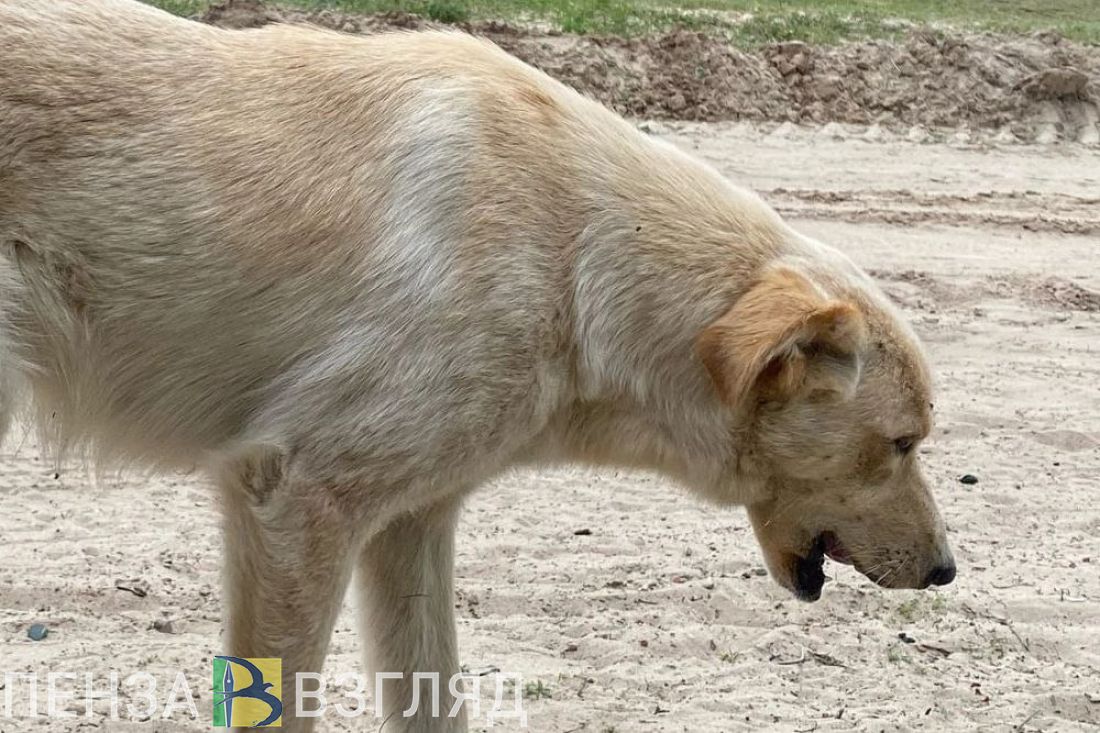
{"points": [[809, 569], [834, 550]]}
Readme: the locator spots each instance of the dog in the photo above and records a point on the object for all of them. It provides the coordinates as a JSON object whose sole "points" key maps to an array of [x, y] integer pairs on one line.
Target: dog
{"points": [[352, 279]]}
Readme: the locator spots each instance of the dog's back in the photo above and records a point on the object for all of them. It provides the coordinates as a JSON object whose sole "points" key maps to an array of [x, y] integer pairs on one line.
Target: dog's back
{"points": [[331, 243], [197, 226]]}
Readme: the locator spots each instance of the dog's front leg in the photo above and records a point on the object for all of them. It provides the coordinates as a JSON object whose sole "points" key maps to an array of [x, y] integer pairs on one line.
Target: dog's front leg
{"points": [[289, 550], [406, 610]]}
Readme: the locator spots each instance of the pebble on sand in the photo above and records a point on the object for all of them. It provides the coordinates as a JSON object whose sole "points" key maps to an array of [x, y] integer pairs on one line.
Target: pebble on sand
{"points": [[164, 626], [37, 632], [968, 478]]}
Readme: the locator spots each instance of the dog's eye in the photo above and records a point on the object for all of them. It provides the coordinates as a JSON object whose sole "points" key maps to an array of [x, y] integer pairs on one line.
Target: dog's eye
{"points": [[904, 445]]}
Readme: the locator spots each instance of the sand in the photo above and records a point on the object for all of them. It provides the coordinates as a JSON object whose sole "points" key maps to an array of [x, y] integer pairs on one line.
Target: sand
{"points": [[659, 618]]}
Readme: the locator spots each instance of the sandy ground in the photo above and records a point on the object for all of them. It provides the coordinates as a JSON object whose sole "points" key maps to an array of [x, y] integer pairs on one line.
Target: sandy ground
{"points": [[660, 619]]}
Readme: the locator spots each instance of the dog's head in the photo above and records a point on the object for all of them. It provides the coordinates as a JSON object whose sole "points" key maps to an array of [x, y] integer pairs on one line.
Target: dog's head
{"points": [[831, 399]]}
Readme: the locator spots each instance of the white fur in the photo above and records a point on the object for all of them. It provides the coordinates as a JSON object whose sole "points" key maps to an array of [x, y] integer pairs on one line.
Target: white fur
{"points": [[352, 280]]}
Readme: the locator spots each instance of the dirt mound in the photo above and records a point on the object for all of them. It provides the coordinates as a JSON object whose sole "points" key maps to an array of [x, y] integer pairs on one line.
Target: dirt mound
{"points": [[1041, 87], [256, 13], [240, 14]]}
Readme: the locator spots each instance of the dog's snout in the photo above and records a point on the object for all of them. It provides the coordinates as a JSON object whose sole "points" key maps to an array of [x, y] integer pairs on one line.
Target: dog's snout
{"points": [[941, 575]]}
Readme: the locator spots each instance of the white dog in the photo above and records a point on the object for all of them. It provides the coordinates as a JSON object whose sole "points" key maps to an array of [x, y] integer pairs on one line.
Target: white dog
{"points": [[355, 278]]}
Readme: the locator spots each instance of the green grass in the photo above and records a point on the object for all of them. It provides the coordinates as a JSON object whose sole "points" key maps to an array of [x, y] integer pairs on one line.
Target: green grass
{"points": [[536, 690], [747, 22], [922, 606]]}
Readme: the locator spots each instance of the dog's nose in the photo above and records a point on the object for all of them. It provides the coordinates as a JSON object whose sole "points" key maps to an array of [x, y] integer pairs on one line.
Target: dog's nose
{"points": [[941, 575]]}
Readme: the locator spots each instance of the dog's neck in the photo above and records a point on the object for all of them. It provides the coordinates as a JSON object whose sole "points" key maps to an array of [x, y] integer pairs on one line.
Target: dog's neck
{"points": [[659, 261]]}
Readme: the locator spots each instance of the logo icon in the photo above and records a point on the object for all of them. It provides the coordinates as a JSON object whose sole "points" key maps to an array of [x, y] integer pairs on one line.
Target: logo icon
{"points": [[248, 693]]}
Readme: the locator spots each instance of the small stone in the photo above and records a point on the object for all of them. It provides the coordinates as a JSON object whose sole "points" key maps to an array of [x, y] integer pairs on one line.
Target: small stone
{"points": [[37, 632], [760, 572], [709, 584], [906, 638], [570, 648], [968, 478], [584, 532], [164, 626]]}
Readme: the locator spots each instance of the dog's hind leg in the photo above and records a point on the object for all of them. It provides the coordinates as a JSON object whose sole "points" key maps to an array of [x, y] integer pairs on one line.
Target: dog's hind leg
{"points": [[289, 547], [406, 616]]}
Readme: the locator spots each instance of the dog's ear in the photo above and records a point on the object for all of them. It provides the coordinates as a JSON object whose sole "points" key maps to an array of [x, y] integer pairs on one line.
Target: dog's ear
{"points": [[780, 339]]}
